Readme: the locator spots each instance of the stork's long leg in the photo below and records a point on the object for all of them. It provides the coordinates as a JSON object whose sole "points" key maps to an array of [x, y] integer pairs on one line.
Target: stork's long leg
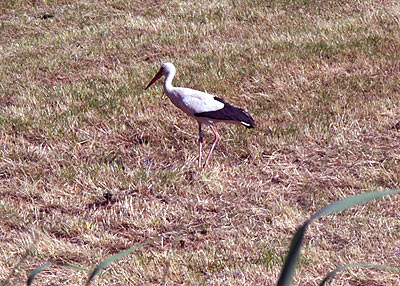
{"points": [[213, 145], [200, 144]]}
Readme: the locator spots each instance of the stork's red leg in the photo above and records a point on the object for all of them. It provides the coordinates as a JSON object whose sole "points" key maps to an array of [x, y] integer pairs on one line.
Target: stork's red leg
{"points": [[213, 145], [200, 144]]}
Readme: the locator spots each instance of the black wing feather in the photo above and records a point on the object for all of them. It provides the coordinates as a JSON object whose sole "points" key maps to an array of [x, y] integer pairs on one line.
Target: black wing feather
{"points": [[229, 112]]}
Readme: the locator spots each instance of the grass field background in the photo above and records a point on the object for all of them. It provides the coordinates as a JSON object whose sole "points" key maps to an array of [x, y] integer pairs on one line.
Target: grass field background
{"points": [[91, 164]]}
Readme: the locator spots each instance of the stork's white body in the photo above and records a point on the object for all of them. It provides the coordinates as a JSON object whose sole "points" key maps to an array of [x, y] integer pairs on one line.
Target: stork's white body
{"points": [[193, 101], [205, 108]]}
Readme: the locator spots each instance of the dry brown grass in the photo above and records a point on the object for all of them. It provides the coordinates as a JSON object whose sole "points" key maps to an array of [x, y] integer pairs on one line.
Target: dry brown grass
{"points": [[321, 79]]}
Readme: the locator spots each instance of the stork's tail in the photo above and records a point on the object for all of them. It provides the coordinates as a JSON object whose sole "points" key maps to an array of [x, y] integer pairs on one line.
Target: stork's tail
{"points": [[245, 119]]}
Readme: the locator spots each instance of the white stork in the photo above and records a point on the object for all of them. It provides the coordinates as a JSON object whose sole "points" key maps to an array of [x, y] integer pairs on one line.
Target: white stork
{"points": [[205, 108]]}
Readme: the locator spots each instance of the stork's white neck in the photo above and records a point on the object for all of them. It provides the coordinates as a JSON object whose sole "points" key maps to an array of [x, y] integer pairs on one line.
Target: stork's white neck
{"points": [[168, 81]]}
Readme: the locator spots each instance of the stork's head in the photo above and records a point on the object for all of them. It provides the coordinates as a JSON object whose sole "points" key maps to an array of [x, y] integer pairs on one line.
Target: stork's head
{"points": [[166, 69]]}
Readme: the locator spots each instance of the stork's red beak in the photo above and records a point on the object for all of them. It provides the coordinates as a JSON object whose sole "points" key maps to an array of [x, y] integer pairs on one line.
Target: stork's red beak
{"points": [[158, 75]]}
